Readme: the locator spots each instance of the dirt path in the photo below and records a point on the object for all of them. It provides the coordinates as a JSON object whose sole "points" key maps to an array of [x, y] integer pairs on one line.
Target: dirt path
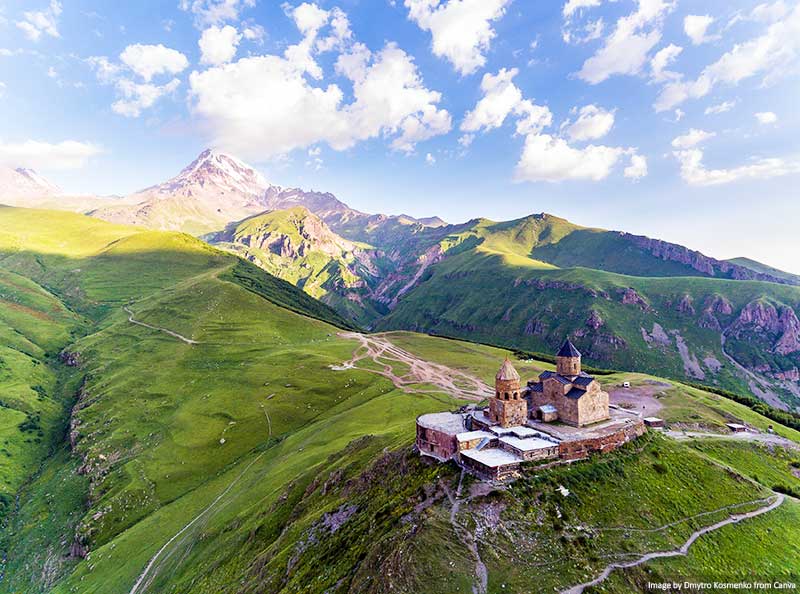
{"points": [[777, 500], [768, 438], [383, 352], [152, 568], [469, 540], [765, 391], [132, 320]]}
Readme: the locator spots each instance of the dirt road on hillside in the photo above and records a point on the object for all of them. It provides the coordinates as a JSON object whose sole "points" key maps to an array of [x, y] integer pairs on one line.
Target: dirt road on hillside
{"points": [[776, 501], [767, 438], [133, 320], [384, 353], [641, 399]]}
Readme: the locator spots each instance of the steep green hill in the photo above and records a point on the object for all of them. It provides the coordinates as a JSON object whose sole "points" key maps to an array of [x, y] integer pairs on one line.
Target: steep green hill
{"points": [[763, 268], [217, 443]]}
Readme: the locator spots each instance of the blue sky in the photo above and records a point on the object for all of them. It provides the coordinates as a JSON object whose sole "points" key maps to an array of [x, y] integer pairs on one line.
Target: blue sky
{"points": [[673, 119]]}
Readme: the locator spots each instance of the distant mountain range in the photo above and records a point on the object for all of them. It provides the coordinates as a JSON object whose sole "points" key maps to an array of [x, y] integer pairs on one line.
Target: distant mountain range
{"points": [[627, 301]]}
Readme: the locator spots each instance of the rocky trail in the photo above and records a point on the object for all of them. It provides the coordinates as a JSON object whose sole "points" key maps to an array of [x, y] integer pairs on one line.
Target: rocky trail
{"points": [[133, 320], [775, 502], [758, 385], [468, 539], [384, 353]]}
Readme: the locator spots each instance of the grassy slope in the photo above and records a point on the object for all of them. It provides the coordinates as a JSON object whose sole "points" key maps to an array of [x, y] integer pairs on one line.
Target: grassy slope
{"points": [[154, 410], [759, 267]]}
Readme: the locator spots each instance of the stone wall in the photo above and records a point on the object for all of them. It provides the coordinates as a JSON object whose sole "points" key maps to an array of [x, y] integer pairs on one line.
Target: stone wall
{"points": [[593, 407], [580, 449], [439, 444], [508, 413], [540, 454], [487, 472]]}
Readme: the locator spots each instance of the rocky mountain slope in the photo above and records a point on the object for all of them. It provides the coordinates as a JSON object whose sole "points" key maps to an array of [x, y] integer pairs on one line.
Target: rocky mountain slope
{"points": [[21, 183]]}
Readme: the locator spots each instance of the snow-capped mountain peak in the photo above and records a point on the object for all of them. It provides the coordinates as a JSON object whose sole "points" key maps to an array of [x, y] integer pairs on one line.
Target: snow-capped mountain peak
{"points": [[22, 183]]}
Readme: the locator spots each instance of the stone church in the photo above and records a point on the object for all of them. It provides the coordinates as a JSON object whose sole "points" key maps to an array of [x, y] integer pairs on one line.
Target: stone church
{"points": [[568, 394]]}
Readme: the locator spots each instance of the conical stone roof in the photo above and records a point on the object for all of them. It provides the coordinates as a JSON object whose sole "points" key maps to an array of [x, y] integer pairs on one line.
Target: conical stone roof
{"points": [[568, 350], [507, 372]]}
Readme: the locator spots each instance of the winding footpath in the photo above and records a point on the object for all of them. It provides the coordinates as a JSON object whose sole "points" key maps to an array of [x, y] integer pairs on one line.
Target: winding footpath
{"points": [[133, 320], [382, 351], [469, 540], [777, 500]]}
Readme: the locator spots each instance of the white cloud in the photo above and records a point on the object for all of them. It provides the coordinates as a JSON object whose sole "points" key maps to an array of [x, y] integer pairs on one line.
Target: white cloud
{"points": [[593, 122], [695, 173], [137, 97], [430, 159], [218, 45], [586, 33], [51, 72], [549, 158], [573, 6], [719, 107], [770, 55], [465, 140], [150, 60], [766, 117], [501, 98], [769, 13], [254, 33], [105, 70], [637, 168], [69, 154], [663, 58], [38, 22], [625, 51], [461, 29], [692, 138], [695, 26], [679, 113], [215, 12], [390, 100]]}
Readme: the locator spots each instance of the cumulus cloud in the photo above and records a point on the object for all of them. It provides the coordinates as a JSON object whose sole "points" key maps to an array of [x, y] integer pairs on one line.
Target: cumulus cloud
{"points": [[593, 122], [145, 61], [501, 98], [137, 97], [663, 58], [637, 168], [692, 138], [215, 12], [389, 99], [218, 45], [766, 117], [69, 154], [719, 107], [461, 29], [696, 26], [549, 158], [769, 55], [545, 157], [150, 60], [695, 173], [430, 159], [36, 23], [626, 50]]}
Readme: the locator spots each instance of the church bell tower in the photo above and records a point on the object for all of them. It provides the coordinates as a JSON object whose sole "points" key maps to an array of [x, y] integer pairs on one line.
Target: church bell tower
{"points": [[507, 407]]}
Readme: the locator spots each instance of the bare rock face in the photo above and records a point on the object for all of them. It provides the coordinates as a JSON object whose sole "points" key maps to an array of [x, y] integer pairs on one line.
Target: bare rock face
{"points": [[631, 297], [534, 327], [685, 305], [671, 252], [712, 307], [763, 317], [594, 321]]}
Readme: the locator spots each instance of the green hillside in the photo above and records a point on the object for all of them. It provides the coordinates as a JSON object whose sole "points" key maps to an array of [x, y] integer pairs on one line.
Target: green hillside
{"points": [[530, 282], [200, 433]]}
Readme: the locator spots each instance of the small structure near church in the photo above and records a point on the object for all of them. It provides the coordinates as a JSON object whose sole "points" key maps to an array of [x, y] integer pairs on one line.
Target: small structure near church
{"points": [[563, 416]]}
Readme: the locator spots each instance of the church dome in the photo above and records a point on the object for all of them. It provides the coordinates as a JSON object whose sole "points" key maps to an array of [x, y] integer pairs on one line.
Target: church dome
{"points": [[507, 372]]}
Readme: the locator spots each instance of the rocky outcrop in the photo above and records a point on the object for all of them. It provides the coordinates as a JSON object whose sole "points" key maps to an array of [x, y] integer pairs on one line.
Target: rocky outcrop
{"points": [[685, 305], [778, 323], [631, 297], [670, 252], [70, 359], [594, 321], [714, 305], [534, 327]]}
